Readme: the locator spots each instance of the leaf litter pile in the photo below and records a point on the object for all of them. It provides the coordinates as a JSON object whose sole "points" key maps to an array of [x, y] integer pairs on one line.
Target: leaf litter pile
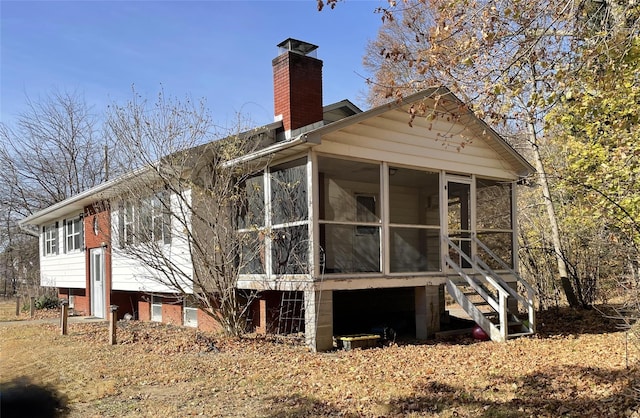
{"points": [[578, 365]]}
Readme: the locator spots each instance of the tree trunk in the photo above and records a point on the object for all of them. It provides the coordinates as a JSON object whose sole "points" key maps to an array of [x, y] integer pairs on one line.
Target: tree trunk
{"points": [[553, 221]]}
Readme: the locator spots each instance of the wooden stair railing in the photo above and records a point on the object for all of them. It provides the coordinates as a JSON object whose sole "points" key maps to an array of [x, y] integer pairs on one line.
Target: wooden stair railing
{"points": [[495, 297], [527, 302]]}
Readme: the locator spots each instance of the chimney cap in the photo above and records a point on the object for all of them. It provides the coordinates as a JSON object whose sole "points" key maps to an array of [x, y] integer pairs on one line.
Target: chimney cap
{"points": [[299, 47]]}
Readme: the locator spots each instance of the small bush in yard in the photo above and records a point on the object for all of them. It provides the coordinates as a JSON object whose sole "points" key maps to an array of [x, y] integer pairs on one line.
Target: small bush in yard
{"points": [[47, 302]]}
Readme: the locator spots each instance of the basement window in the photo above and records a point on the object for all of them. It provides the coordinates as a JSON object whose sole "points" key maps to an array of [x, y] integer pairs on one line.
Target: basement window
{"points": [[190, 312], [156, 309]]}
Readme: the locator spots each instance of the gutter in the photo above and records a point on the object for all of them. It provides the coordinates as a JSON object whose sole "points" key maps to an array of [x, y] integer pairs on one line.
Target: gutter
{"points": [[82, 195], [272, 149]]}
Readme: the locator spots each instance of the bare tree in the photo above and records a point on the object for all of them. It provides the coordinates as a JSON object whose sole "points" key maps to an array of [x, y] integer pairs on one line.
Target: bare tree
{"points": [[51, 153], [191, 203]]}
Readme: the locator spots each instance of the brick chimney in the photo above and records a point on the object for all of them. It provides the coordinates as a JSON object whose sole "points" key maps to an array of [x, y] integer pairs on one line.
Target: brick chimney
{"points": [[297, 84]]}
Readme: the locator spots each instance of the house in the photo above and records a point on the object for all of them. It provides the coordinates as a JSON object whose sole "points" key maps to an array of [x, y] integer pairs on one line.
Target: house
{"points": [[386, 210]]}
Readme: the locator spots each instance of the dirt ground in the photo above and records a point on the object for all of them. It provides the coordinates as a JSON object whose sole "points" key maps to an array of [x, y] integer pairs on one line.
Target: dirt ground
{"points": [[578, 365]]}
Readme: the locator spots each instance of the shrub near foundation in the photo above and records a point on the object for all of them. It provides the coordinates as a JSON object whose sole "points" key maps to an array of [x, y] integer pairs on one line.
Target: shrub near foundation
{"points": [[47, 302]]}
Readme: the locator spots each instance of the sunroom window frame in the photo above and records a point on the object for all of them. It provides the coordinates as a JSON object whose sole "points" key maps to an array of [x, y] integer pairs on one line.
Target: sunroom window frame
{"points": [[267, 229], [382, 206]]}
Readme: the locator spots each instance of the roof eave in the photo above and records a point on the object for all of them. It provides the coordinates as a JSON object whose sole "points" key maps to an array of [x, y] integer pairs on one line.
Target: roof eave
{"points": [[94, 194]]}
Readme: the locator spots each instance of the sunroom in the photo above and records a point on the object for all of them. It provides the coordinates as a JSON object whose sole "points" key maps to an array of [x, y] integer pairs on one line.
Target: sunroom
{"points": [[333, 228]]}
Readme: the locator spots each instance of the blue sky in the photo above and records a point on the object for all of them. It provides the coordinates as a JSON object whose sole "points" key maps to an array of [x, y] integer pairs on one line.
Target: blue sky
{"points": [[219, 50]]}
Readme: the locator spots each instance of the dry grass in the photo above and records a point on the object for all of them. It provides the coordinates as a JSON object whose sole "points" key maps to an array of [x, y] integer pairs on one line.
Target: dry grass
{"points": [[158, 370], [8, 310]]}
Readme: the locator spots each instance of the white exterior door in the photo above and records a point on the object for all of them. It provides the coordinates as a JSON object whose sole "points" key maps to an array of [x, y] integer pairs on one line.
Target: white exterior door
{"points": [[97, 271], [459, 214]]}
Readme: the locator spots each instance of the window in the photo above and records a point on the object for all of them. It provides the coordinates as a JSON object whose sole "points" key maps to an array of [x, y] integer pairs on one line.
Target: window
{"points": [[273, 221], [289, 218], [156, 309], [73, 234], [350, 224], [190, 312], [414, 215], [147, 220], [252, 252], [50, 239], [290, 248], [494, 220], [154, 218], [162, 217], [127, 223], [366, 211], [289, 192], [251, 210], [459, 227]]}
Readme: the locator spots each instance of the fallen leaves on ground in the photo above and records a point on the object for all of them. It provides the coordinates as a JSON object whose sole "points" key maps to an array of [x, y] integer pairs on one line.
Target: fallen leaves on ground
{"points": [[576, 366]]}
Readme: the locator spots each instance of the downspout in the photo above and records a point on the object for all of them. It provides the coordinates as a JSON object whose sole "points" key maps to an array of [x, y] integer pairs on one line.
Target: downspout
{"points": [[29, 230]]}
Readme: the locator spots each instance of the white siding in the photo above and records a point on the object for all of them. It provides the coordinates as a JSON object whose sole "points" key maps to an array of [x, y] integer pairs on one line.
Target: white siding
{"points": [[62, 270], [131, 274], [439, 145]]}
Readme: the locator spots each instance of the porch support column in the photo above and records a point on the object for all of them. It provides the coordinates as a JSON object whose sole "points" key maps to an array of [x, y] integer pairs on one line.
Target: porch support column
{"points": [[261, 327], [318, 319], [427, 301]]}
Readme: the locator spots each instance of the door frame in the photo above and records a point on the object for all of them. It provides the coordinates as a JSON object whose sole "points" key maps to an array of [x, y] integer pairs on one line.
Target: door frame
{"points": [[98, 295], [466, 180]]}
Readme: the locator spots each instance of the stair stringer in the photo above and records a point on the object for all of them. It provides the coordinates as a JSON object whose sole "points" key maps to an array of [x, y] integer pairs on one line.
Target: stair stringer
{"points": [[476, 314]]}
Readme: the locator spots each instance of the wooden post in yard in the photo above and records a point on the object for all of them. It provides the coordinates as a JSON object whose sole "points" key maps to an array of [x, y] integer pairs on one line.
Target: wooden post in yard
{"points": [[32, 307], [17, 305], [113, 322], [63, 318]]}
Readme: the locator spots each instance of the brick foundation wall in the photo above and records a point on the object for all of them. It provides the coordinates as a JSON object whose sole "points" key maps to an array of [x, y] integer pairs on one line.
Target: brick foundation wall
{"points": [[207, 323], [82, 302], [144, 311], [172, 314], [81, 305]]}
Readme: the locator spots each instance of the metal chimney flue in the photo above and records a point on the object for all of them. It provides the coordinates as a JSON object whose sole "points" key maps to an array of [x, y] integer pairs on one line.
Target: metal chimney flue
{"points": [[299, 47]]}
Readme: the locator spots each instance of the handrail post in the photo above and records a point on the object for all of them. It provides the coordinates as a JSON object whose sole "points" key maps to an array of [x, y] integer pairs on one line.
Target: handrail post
{"points": [[532, 310], [504, 320]]}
